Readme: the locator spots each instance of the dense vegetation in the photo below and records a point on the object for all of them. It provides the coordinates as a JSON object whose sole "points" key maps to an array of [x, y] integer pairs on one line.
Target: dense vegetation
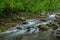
{"points": [[9, 7]]}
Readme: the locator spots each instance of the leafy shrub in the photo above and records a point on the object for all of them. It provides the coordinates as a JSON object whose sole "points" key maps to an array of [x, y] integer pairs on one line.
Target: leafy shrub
{"points": [[8, 7], [2, 6]]}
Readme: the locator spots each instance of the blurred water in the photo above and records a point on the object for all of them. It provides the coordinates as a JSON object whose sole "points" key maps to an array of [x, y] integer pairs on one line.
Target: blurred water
{"points": [[32, 23]]}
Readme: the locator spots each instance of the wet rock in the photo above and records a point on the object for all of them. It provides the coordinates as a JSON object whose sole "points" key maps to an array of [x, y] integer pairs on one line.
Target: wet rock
{"points": [[28, 29], [44, 28], [58, 36], [19, 28], [43, 19], [22, 19], [9, 25], [23, 22], [58, 33], [58, 15], [58, 21], [54, 26]]}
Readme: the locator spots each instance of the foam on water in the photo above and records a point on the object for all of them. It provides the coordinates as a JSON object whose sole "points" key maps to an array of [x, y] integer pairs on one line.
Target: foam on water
{"points": [[31, 22]]}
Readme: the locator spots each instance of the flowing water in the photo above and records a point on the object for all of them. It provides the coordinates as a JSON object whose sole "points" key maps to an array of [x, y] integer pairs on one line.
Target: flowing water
{"points": [[32, 23]]}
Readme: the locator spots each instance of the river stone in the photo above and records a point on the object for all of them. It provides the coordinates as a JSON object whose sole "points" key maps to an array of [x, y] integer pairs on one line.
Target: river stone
{"points": [[58, 33], [39, 36], [43, 27]]}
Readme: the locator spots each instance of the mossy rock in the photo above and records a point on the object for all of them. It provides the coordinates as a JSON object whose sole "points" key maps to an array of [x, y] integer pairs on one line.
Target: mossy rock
{"points": [[2, 23], [57, 20], [43, 27], [4, 29], [14, 19], [52, 25]]}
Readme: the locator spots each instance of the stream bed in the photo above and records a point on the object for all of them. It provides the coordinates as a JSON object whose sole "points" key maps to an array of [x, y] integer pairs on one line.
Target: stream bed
{"points": [[33, 33]]}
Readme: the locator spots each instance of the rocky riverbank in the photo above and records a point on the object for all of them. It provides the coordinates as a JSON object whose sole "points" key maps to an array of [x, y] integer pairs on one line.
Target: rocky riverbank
{"points": [[44, 28]]}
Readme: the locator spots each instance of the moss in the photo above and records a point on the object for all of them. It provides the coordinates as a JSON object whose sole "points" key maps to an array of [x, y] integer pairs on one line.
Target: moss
{"points": [[57, 20], [4, 29], [2, 23]]}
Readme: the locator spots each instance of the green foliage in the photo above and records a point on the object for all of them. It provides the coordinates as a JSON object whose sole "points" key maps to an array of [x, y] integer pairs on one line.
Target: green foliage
{"points": [[16, 4], [33, 5], [54, 4], [2, 6], [28, 5]]}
